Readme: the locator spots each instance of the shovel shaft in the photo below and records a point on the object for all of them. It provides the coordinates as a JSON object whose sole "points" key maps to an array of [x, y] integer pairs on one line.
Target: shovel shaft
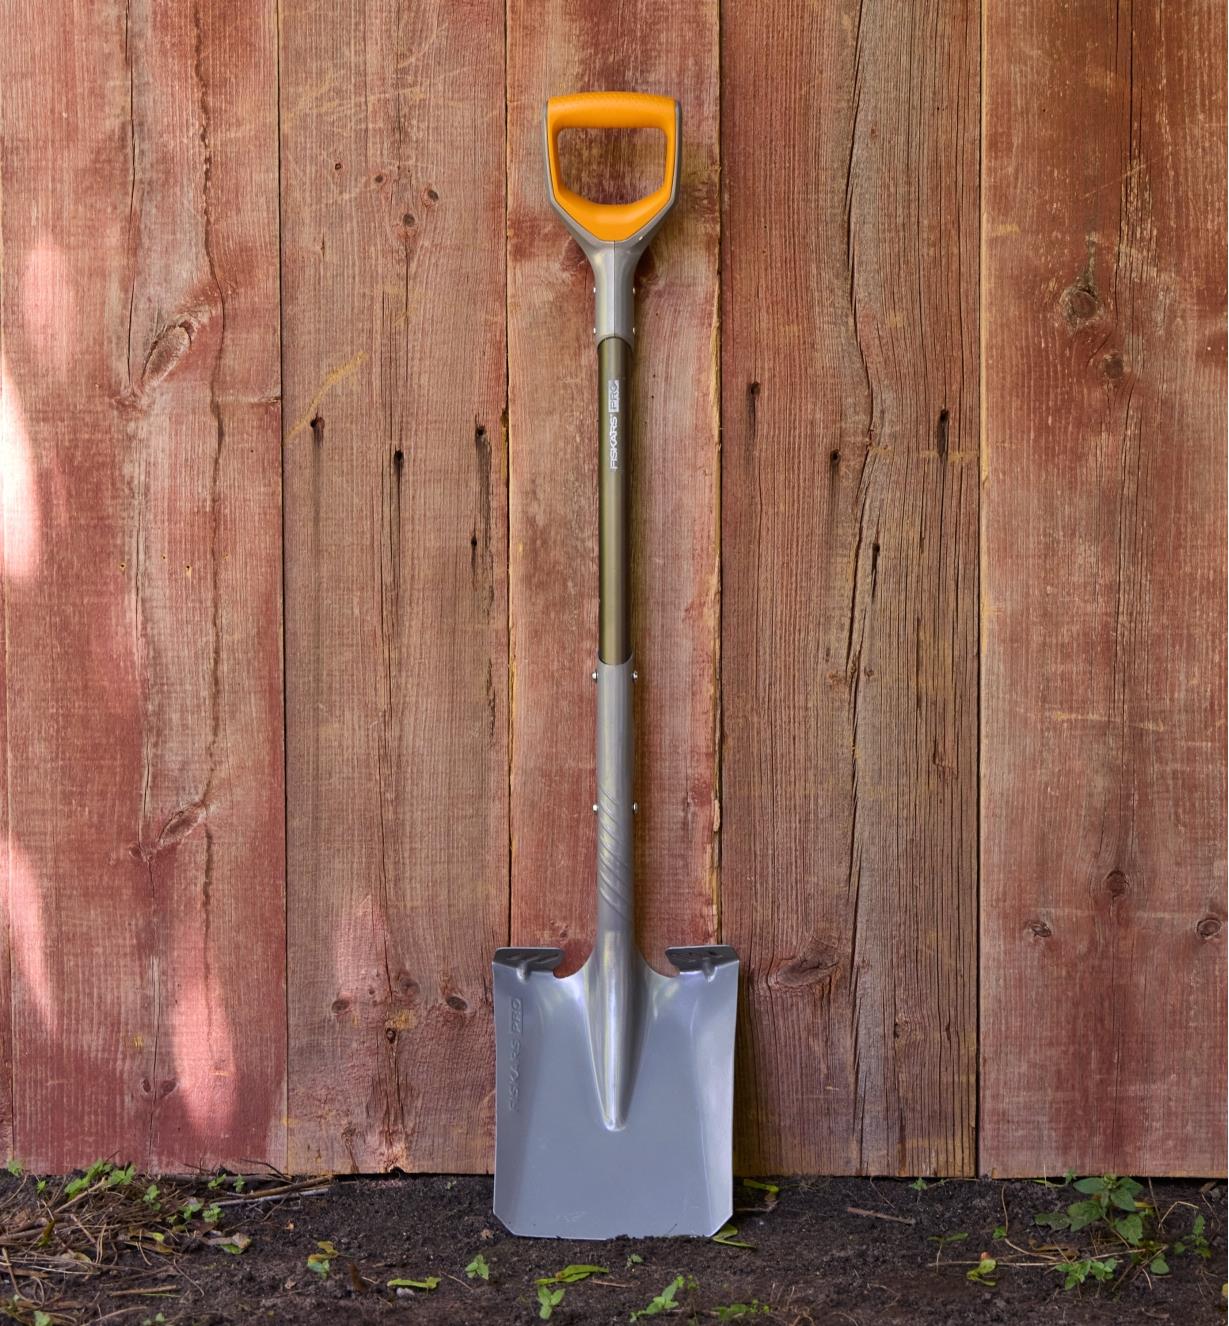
{"points": [[615, 938], [614, 358]]}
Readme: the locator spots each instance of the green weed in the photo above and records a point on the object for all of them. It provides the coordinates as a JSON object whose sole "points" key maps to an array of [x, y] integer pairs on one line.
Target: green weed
{"points": [[666, 1301]]}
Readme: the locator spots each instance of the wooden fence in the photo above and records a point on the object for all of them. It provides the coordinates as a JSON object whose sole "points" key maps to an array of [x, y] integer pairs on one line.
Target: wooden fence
{"points": [[299, 570]]}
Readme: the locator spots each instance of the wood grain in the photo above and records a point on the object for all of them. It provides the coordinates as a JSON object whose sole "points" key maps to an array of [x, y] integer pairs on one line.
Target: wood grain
{"points": [[142, 578], [849, 553], [1103, 794], [565, 46], [393, 277]]}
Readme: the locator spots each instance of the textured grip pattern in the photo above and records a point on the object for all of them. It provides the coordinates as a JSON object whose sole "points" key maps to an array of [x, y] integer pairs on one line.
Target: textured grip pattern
{"points": [[616, 909]]}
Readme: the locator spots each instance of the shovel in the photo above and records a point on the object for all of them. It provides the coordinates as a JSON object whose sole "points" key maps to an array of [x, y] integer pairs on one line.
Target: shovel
{"points": [[614, 1086]]}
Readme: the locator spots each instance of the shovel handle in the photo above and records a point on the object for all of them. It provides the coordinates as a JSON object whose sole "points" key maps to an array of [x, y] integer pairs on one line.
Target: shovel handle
{"points": [[611, 223]]}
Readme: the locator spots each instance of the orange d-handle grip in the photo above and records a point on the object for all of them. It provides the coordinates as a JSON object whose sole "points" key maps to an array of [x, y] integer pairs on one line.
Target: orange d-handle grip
{"points": [[612, 222]]}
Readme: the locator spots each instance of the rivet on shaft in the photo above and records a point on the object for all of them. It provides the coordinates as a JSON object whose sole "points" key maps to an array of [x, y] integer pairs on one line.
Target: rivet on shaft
{"points": [[595, 807], [635, 807], [594, 675], [635, 676]]}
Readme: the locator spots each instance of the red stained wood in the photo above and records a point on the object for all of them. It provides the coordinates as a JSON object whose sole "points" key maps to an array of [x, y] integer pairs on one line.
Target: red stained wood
{"points": [[806, 587], [1103, 793], [142, 579], [553, 49], [849, 553], [396, 641]]}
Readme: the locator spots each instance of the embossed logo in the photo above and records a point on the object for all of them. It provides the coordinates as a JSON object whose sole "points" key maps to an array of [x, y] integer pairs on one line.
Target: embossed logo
{"points": [[612, 424], [513, 1084]]}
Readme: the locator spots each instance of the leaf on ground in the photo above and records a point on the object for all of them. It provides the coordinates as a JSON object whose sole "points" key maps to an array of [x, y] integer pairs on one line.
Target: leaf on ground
{"points": [[1158, 1265], [235, 1244], [981, 1273], [727, 1236], [735, 1311], [571, 1275], [760, 1186], [428, 1282], [478, 1269], [321, 1262]]}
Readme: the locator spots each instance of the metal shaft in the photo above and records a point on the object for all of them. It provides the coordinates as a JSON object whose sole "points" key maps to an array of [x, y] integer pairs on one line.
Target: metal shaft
{"points": [[611, 976], [614, 357]]}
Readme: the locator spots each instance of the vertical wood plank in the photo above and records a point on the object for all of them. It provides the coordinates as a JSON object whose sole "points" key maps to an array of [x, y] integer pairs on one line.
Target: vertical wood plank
{"points": [[395, 478], [142, 579], [565, 46], [849, 552], [1103, 801]]}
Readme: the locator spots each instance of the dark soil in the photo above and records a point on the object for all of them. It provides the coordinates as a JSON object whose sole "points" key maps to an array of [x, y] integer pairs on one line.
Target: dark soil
{"points": [[813, 1260]]}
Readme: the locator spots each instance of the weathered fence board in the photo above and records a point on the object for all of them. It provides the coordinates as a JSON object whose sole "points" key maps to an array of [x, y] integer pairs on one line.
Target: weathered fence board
{"points": [[139, 450], [566, 46], [849, 554], [396, 556], [1103, 792]]}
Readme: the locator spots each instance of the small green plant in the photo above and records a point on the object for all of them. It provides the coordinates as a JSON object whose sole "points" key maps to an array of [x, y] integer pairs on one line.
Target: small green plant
{"points": [[237, 1244], [150, 1196], [478, 1268], [666, 1301], [1076, 1272], [13, 1165], [736, 1311], [634, 1259], [1195, 1241], [983, 1272], [549, 1299], [771, 1188], [943, 1240], [321, 1261], [99, 1170], [427, 1283], [121, 1178], [571, 1275], [1068, 1175], [1105, 1197], [212, 1214]]}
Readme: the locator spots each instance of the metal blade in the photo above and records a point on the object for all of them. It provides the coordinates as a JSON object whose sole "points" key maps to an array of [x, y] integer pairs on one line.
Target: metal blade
{"points": [[560, 1171]]}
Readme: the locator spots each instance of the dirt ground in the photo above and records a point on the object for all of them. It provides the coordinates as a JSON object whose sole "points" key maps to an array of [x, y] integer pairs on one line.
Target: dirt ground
{"points": [[840, 1250]]}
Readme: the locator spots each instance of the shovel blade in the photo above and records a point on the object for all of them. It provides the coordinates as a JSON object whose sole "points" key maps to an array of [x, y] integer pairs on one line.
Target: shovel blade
{"points": [[560, 1171]]}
